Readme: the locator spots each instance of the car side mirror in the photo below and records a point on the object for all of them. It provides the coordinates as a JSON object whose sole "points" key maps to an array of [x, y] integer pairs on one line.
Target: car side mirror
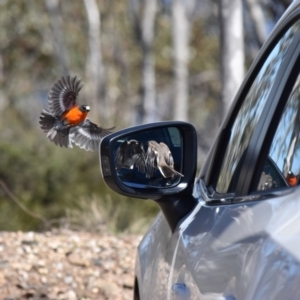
{"points": [[154, 161], [150, 161]]}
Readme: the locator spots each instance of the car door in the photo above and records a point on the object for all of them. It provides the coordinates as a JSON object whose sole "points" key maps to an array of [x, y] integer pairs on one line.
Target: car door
{"points": [[240, 242]]}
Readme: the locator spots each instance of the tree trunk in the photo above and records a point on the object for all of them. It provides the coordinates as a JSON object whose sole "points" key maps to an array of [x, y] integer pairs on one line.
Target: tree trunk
{"points": [[148, 85], [181, 33], [144, 21], [60, 49], [232, 50], [258, 19], [95, 86], [3, 97]]}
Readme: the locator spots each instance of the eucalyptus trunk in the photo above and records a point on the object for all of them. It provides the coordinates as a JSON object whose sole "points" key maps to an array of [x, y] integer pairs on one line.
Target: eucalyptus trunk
{"points": [[60, 49], [181, 34], [232, 50], [95, 86]]}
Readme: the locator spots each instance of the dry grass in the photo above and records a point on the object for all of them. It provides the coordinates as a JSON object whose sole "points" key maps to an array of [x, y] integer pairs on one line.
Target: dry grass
{"points": [[116, 215]]}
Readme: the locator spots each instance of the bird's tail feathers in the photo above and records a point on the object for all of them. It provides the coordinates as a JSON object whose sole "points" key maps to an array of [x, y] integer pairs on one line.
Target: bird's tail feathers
{"points": [[47, 121], [149, 170], [59, 137], [107, 131], [167, 171]]}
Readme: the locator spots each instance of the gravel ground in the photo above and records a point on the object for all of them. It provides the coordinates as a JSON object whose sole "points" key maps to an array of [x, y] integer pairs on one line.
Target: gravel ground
{"points": [[66, 265]]}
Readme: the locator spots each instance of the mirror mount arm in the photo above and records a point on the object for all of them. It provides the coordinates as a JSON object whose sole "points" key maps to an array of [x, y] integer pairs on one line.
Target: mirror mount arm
{"points": [[176, 208], [175, 200]]}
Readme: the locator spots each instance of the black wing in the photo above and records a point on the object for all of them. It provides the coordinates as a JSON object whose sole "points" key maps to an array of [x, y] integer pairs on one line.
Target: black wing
{"points": [[56, 132], [167, 154], [88, 135], [130, 154], [63, 94], [168, 171], [160, 157], [120, 156], [151, 158]]}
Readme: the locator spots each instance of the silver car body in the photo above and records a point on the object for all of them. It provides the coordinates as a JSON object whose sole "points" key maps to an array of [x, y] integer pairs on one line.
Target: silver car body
{"points": [[248, 250], [241, 251]]}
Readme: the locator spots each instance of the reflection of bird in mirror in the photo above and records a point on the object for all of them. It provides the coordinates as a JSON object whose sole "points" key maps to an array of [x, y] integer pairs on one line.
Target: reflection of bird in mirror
{"points": [[159, 157], [66, 122], [131, 154], [291, 178]]}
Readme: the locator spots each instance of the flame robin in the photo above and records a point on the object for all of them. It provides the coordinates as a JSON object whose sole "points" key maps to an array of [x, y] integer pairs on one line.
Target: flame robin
{"points": [[66, 121], [159, 157], [131, 154], [291, 178]]}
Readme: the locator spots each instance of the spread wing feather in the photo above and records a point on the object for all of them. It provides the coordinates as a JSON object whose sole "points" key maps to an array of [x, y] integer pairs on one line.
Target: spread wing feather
{"points": [[63, 94], [131, 154], [151, 158], [160, 157], [52, 126], [167, 154], [88, 135]]}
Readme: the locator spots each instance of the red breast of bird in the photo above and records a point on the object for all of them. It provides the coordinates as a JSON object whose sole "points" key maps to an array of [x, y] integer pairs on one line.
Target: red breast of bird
{"points": [[76, 115], [292, 179]]}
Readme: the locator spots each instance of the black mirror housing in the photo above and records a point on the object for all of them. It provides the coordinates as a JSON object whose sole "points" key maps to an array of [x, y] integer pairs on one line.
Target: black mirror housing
{"points": [[132, 160]]}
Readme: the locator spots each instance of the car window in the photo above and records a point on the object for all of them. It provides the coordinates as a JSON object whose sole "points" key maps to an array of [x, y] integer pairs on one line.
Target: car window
{"points": [[251, 109], [131, 152], [282, 165]]}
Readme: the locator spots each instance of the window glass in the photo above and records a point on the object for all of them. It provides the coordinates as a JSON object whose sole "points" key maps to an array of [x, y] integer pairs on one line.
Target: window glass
{"points": [[282, 166], [251, 109], [150, 159]]}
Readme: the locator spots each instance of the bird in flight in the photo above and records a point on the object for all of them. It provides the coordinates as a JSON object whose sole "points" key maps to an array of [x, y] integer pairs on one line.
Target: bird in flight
{"points": [[159, 157], [66, 122], [292, 179], [131, 154]]}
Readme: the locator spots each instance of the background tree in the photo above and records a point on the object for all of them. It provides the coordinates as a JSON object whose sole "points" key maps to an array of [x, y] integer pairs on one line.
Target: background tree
{"points": [[60, 50], [95, 86], [143, 16], [258, 19], [65, 185], [181, 18], [232, 50]]}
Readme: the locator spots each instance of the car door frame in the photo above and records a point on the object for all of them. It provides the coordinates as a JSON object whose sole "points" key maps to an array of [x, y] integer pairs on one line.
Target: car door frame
{"points": [[259, 142], [264, 129]]}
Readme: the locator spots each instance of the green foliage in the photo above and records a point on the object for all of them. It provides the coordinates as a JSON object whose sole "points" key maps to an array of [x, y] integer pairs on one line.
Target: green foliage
{"points": [[112, 211], [54, 181], [65, 185]]}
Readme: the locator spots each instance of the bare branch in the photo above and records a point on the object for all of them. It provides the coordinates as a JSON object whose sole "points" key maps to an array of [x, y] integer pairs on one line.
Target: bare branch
{"points": [[94, 66], [11, 195]]}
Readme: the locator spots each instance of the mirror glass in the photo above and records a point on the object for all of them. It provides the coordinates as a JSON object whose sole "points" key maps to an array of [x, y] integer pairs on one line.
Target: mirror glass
{"points": [[151, 158]]}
